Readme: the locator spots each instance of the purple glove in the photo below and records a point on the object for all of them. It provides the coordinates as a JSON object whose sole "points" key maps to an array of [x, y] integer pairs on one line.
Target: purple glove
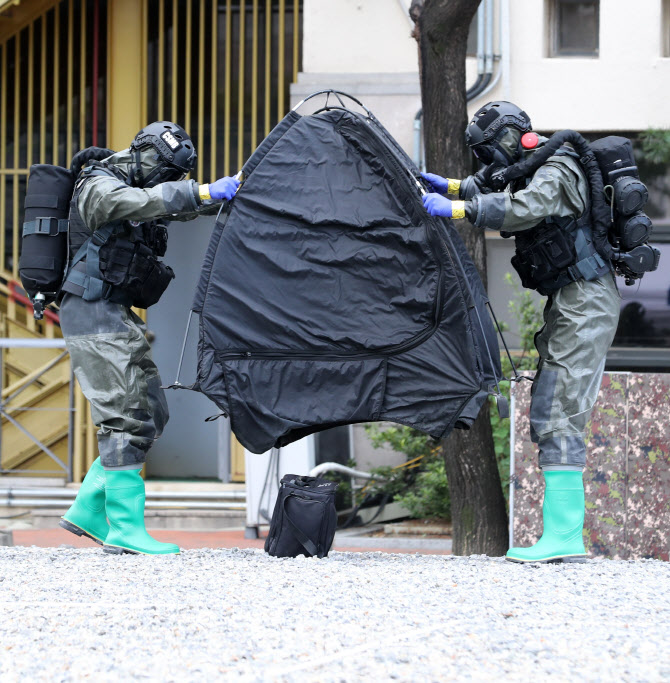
{"points": [[437, 205], [436, 182], [224, 188]]}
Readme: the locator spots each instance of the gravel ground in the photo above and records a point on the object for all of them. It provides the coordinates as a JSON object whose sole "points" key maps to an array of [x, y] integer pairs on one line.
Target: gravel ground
{"points": [[239, 615]]}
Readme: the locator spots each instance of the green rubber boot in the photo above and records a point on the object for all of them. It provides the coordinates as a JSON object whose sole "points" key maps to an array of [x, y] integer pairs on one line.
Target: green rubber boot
{"points": [[125, 497], [86, 516], [563, 517]]}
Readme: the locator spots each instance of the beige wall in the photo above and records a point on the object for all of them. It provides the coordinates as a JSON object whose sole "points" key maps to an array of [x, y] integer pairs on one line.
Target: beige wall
{"points": [[626, 88], [357, 36]]}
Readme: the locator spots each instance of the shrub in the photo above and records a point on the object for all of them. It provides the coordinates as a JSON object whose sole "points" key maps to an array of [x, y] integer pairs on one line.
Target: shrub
{"points": [[420, 484]]}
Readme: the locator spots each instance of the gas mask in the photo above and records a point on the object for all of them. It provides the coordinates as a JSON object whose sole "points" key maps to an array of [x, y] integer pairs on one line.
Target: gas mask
{"points": [[494, 134], [500, 152]]}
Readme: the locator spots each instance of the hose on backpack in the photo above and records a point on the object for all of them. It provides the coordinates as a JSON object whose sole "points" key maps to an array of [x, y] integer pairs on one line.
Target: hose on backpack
{"points": [[85, 156], [600, 212]]}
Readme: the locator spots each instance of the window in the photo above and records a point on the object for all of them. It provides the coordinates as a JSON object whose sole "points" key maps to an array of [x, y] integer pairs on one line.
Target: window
{"points": [[573, 28]]}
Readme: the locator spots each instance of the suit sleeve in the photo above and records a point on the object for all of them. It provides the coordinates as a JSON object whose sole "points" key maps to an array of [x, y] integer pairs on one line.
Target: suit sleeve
{"points": [[106, 199], [558, 188]]}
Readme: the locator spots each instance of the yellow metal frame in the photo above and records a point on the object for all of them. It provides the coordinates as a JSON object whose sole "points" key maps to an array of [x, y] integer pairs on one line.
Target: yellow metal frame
{"points": [[225, 72], [246, 41], [26, 24], [126, 83]]}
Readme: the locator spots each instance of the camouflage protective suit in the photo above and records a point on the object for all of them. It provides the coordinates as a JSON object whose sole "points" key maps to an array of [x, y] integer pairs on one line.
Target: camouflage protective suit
{"points": [[110, 354], [580, 319]]}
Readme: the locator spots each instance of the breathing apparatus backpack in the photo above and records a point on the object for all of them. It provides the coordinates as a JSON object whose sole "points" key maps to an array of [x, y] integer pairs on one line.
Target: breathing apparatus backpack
{"points": [[630, 227], [620, 229], [44, 243], [44, 239]]}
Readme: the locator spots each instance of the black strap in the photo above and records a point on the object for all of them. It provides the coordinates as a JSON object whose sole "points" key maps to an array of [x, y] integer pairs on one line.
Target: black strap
{"points": [[46, 226], [93, 287], [305, 541]]}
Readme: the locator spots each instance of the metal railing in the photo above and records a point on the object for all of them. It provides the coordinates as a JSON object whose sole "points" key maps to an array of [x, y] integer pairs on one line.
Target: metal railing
{"points": [[29, 380], [192, 500], [18, 318]]}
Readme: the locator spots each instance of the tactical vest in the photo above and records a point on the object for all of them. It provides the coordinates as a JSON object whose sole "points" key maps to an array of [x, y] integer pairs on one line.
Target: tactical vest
{"points": [[558, 251], [120, 260]]}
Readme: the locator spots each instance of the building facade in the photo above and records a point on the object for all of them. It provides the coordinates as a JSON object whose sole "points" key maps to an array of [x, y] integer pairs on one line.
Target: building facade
{"points": [[596, 67]]}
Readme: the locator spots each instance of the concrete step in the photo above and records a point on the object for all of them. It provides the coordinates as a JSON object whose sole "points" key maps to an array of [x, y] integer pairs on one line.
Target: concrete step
{"points": [[184, 505], [160, 495], [186, 520], [374, 537]]}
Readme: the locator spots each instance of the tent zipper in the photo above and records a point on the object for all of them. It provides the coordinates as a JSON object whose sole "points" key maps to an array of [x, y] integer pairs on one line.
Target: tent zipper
{"points": [[306, 355]]}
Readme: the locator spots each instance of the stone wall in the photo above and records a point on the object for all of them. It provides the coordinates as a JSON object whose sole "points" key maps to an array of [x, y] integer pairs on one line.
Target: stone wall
{"points": [[627, 479]]}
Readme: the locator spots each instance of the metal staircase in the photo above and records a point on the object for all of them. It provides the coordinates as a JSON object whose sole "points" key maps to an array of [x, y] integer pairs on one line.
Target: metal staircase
{"points": [[45, 420], [47, 437]]}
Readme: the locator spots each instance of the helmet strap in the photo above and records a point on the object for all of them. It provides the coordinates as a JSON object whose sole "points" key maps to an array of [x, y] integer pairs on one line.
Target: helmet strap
{"points": [[158, 171], [136, 175], [500, 156]]}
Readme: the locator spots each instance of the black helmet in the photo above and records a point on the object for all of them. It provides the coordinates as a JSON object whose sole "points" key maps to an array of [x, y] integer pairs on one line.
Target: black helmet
{"points": [[175, 153], [485, 131]]}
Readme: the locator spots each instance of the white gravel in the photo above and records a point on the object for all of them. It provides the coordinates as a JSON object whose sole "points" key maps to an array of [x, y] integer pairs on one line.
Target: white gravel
{"points": [[68, 615]]}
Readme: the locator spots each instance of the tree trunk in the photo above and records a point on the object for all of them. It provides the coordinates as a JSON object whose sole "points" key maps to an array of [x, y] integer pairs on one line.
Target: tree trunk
{"points": [[441, 28]]}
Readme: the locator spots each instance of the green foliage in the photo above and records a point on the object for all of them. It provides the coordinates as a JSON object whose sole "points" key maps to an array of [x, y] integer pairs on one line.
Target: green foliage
{"points": [[429, 496], [656, 146], [390, 481], [420, 486]]}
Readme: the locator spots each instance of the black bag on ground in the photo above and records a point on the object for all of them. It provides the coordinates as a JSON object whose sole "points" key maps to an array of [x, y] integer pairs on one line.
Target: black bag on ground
{"points": [[304, 518]]}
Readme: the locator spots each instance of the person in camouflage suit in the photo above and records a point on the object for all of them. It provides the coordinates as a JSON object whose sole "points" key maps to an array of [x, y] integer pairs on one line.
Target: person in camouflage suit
{"points": [[581, 313], [113, 228]]}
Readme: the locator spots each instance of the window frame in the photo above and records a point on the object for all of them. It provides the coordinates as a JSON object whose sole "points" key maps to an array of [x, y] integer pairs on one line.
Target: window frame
{"points": [[553, 32]]}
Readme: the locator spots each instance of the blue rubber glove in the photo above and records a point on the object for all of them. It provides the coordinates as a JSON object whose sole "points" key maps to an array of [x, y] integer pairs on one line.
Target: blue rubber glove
{"points": [[224, 188], [436, 182], [437, 205]]}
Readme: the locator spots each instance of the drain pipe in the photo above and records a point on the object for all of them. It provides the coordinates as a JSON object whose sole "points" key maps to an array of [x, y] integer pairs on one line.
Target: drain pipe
{"points": [[418, 155], [505, 55], [484, 49], [503, 46], [481, 51], [489, 39], [336, 467], [353, 474]]}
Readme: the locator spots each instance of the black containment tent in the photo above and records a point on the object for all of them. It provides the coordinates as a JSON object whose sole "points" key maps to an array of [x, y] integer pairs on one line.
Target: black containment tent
{"points": [[329, 296]]}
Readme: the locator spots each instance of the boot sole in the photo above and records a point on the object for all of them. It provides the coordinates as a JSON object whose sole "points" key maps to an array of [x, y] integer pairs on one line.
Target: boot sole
{"points": [[78, 531], [119, 550], [560, 559]]}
